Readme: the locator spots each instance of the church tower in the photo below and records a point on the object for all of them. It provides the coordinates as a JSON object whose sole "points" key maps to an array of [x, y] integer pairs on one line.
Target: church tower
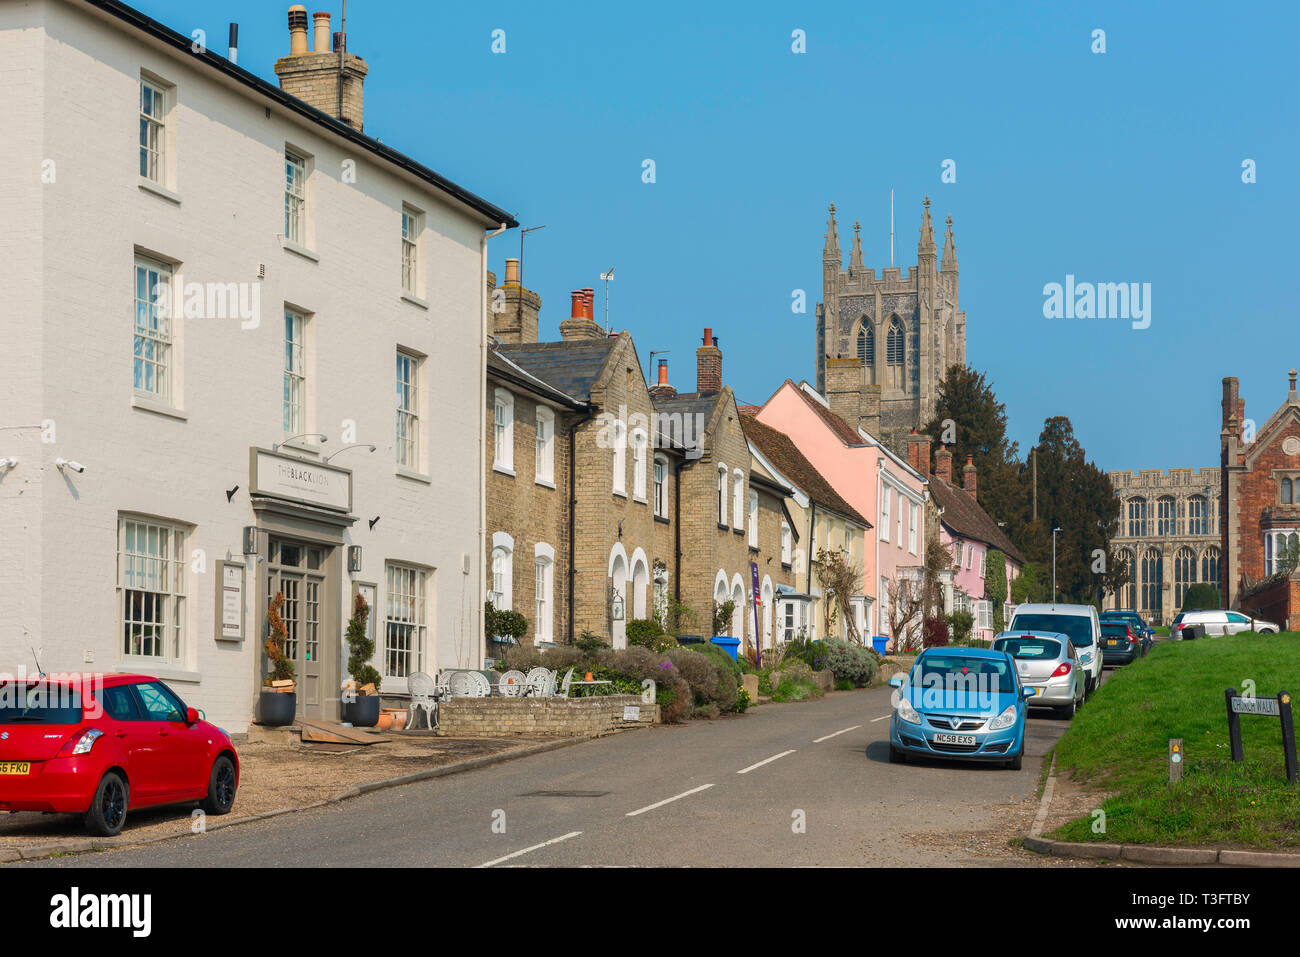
{"points": [[884, 344]]}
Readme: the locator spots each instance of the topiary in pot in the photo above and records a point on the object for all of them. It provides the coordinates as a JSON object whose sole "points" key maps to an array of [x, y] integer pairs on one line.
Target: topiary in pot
{"points": [[277, 708], [361, 710]]}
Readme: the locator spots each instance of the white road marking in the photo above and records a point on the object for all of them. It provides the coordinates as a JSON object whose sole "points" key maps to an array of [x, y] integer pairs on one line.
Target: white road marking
{"points": [[827, 737], [526, 850], [881, 718], [766, 761], [670, 800]]}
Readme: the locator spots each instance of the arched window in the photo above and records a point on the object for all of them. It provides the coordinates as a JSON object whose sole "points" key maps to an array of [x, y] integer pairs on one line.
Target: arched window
{"points": [[1197, 523], [1137, 518], [1184, 574], [1152, 580], [785, 544], [1287, 494], [503, 452], [895, 353], [722, 494], [867, 351], [753, 519], [1165, 522], [543, 592], [500, 591], [1210, 566], [620, 458], [545, 458], [1128, 594], [738, 500], [639, 444]]}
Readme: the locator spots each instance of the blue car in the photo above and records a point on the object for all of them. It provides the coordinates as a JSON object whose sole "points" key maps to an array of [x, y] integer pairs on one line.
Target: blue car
{"points": [[966, 704]]}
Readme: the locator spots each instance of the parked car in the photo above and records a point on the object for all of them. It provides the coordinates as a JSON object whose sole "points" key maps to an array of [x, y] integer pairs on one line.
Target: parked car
{"points": [[1079, 622], [1140, 626], [1221, 622], [1048, 663], [966, 704], [1120, 645], [102, 745]]}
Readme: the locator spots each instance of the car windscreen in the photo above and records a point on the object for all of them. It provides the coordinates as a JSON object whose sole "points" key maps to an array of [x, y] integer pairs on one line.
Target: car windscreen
{"points": [[38, 703], [1078, 628], [1042, 648], [1114, 628], [950, 672]]}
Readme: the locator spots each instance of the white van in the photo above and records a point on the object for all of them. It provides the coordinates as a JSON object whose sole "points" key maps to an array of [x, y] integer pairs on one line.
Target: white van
{"points": [[1079, 622]]}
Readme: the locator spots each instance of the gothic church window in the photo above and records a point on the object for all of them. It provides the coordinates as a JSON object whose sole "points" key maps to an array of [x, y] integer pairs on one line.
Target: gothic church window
{"points": [[895, 354]]}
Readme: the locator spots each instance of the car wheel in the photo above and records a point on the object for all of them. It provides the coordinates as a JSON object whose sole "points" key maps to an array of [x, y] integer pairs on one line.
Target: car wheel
{"points": [[221, 787], [107, 811], [1068, 711], [896, 756], [1015, 763]]}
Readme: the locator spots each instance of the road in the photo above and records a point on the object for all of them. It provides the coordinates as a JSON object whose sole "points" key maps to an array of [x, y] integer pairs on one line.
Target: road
{"points": [[730, 792]]}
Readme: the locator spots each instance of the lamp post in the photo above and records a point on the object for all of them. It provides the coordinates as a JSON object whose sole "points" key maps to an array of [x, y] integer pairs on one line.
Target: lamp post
{"points": [[1054, 531]]}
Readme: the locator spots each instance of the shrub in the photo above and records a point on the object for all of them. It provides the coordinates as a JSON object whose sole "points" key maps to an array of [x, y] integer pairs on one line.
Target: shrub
{"points": [[934, 632], [849, 662], [525, 657], [961, 623], [702, 675], [503, 624], [722, 615], [361, 648], [647, 633], [1202, 596], [281, 665], [810, 652], [743, 701], [590, 644]]}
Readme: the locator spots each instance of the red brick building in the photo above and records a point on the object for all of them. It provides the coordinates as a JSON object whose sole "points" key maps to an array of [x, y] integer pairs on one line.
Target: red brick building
{"points": [[1260, 508]]}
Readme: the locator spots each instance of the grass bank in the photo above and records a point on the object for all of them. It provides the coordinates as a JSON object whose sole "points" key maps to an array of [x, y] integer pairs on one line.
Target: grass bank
{"points": [[1120, 741]]}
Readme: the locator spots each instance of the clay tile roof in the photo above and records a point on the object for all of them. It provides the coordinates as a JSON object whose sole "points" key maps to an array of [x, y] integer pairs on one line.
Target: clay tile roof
{"points": [[780, 450], [964, 515], [843, 431]]}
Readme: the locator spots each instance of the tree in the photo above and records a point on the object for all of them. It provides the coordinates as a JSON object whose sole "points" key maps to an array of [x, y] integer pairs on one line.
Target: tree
{"points": [[995, 585], [1075, 496], [969, 420], [361, 647], [1028, 585], [1201, 596], [840, 581], [906, 603]]}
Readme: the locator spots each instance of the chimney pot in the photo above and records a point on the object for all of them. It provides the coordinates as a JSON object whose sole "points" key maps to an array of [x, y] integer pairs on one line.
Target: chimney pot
{"points": [[512, 272], [579, 305], [321, 43], [663, 372], [708, 365], [943, 464], [589, 299], [968, 476], [298, 30]]}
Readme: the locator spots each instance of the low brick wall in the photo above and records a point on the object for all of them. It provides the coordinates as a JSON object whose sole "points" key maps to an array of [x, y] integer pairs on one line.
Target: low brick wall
{"points": [[496, 717]]}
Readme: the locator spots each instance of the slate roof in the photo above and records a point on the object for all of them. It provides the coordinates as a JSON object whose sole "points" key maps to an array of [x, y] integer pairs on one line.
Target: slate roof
{"points": [[785, 456], [501, 367], [571, 367], [674, 415], [964, 515]]}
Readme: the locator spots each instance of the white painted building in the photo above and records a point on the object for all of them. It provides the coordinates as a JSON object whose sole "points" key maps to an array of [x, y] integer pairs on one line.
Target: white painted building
{"points": [[318, 282]]}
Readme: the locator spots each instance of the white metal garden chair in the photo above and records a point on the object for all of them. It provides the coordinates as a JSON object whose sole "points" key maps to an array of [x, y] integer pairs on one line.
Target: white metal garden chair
{"points": [[512, 684], [424, 697], [563, 692], [467, 684], [541, 682]]}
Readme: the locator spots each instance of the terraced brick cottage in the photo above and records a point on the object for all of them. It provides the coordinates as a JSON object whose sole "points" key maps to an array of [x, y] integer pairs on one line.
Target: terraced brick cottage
{"points": [[219, 294]]}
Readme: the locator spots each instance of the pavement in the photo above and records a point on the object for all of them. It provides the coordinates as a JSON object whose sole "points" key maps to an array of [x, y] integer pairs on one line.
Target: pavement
{"points": [[805, 784]]}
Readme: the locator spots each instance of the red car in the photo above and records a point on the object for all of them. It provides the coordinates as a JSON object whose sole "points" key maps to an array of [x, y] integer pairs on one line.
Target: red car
{"points": [[100, 745]]}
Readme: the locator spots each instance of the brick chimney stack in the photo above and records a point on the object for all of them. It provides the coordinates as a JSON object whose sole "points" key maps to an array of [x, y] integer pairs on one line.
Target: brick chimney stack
{"points": [[968, 476], [313, 75], [918, 452], [579, 324], [943, 464], [708, 364], [662, 389], [515, 311]]}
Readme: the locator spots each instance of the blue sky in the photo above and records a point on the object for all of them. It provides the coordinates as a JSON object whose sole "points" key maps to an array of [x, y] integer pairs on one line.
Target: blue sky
{"points": [[1115, 167]]}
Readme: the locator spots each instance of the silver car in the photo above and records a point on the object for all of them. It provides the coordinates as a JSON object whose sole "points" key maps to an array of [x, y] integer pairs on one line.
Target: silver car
{"points": [[1220, 623], [1047, 662]]}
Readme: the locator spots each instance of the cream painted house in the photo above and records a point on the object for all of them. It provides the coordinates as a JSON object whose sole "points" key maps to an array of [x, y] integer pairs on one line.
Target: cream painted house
{"points": [[216, 300]]}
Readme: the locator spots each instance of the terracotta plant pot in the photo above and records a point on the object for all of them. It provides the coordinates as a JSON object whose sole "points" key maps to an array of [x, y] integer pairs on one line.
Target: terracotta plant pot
{"points": [[385, 721], [399, 719]]}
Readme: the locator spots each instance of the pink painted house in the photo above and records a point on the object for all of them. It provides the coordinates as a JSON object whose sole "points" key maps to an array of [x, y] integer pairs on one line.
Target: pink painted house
{"points": [[871, 478]]}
